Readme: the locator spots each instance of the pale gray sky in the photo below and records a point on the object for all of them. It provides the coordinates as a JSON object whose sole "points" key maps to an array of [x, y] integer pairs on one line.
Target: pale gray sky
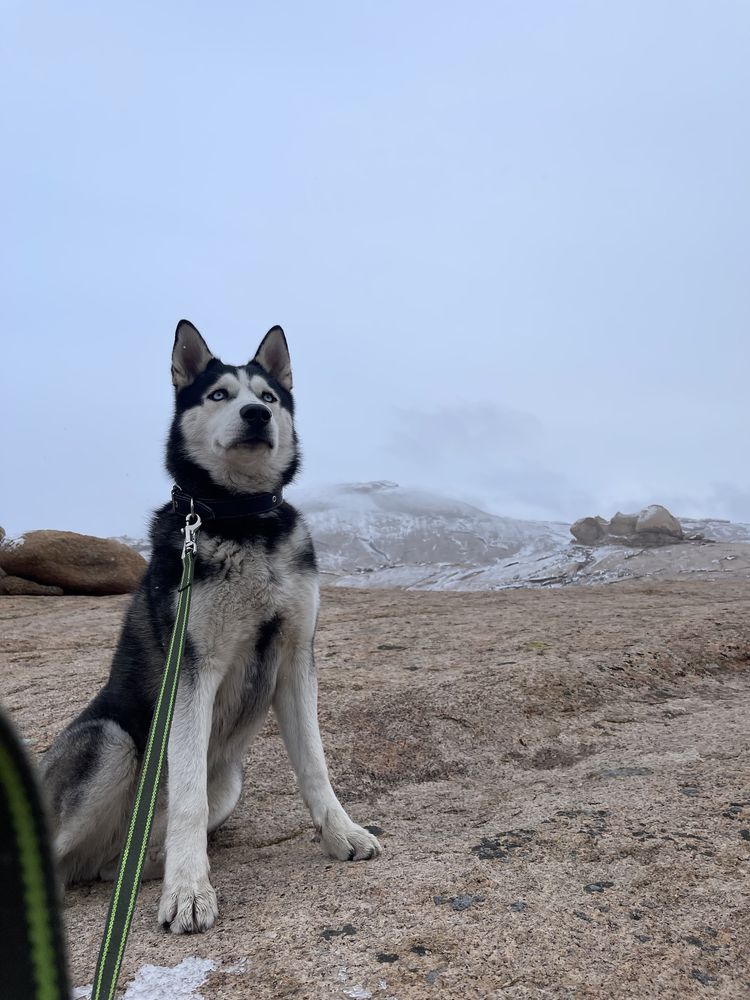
{"points": [[509, 243]]}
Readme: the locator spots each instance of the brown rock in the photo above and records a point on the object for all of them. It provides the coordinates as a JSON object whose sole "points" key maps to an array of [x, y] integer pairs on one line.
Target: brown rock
{"points": [[658, 518], [80, 564], [589, 530], [623, 524], [16, 586], [653, 539]]}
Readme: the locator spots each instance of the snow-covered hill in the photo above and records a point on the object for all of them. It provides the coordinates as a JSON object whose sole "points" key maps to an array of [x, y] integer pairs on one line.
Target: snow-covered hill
{"points": [[379, 534], [384, 535]]}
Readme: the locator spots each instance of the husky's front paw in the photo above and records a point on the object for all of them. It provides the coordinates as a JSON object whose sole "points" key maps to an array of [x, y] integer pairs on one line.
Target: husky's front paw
{"points": [[188, 906], [346, 841]]}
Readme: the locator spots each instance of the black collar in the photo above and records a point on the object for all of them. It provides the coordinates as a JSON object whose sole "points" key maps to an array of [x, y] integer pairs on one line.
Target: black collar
{"points": [[243, 505]]}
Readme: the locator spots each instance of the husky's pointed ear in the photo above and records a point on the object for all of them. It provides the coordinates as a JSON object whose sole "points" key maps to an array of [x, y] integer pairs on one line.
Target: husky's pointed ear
{"points": [[273, 355], [190, 354]]}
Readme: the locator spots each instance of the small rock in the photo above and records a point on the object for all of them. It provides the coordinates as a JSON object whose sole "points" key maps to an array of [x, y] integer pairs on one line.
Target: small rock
{"points": [[624, 772], [388, 957], [582, 916], [418, 949], [597, 886], [643, 938], [459, 903], [16, 586], [331, 932], [745, 834], [518, 906], [374, 829], [708, 948], [704, 977], [501, 847]]}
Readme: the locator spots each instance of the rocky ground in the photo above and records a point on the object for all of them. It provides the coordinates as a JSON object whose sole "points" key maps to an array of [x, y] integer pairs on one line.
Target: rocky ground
{"points": [[560, 777]]}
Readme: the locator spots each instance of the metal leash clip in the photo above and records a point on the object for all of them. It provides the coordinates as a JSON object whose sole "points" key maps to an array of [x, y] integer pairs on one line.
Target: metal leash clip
{"points": [[190, 531]]}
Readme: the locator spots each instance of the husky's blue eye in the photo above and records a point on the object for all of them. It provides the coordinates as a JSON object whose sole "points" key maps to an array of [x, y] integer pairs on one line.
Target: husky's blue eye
{"points": [[268, 397], [218, 394]]}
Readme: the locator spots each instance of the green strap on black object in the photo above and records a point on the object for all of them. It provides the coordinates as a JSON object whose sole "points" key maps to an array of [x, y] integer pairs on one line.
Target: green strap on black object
{"points": [[128, 880], [32, 951]]}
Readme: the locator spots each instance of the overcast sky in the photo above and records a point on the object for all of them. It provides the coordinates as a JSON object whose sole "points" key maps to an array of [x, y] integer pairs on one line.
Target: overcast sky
{"points": [[509, 244]]}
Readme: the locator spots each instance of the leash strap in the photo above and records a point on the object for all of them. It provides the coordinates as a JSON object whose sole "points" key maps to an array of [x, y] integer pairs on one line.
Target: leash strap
{"points": [[32, 953], [128, 881]]}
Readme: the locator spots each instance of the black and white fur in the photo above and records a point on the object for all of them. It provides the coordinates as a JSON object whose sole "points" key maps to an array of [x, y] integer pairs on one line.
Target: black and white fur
{"points": [[249, 647]]}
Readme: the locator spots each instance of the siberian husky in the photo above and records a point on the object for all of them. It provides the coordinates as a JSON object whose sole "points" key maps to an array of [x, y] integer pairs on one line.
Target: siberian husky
{"points": [[232, 448]]}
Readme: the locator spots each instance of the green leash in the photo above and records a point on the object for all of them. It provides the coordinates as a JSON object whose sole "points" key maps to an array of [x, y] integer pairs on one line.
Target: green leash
{"points": [[128, 881], [32, 951]]}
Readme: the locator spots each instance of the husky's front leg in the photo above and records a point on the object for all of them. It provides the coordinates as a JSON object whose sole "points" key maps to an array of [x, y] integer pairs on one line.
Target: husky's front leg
{"points": [[188, 901], [295, 705]]}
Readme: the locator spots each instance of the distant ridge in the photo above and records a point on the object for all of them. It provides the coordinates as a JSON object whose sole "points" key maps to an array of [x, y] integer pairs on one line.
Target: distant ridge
{"points": [[380, 534]]}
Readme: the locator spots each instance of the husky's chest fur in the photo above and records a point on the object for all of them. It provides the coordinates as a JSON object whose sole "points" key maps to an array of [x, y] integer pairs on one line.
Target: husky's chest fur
{"points": [[247, 605], [239, 587]]}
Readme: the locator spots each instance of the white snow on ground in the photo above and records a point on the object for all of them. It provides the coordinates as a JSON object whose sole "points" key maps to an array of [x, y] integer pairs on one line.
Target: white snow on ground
{"points": [[379, 534], [716, 530], [155, 982]]}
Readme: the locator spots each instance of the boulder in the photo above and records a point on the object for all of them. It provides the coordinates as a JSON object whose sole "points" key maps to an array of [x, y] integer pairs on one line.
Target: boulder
{"points": [[589, 530], [653, 539], [623, 524], [658, 519], [80, 564], [16, 586]]}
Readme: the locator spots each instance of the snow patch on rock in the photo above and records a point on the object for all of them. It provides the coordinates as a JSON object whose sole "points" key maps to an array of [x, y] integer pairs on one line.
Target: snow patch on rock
{"points": [[13, 543]]}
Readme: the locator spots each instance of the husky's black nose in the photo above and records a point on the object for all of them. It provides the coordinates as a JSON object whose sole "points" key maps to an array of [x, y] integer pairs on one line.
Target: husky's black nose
{"points": [[255, 415]]}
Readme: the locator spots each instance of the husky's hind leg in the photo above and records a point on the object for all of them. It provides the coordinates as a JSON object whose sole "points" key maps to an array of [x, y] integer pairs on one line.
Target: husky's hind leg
{"points": [[90, 773], [224, 788], [153, 862]]}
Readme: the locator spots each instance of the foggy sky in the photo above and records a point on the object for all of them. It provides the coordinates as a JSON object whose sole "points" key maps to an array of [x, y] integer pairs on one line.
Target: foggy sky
{"points": [[509, 245]]}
